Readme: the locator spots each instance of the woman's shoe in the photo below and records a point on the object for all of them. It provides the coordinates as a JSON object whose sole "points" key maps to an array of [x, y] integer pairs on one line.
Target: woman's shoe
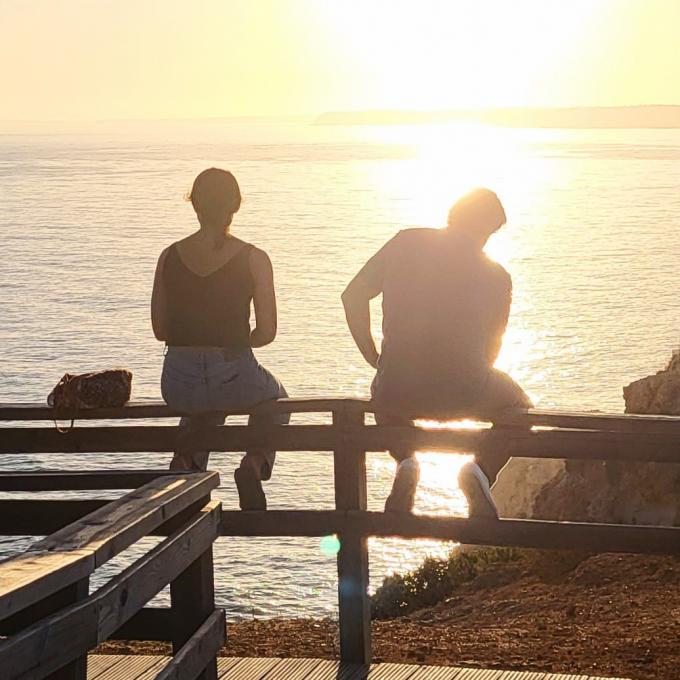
{"points": [[250, 493]]}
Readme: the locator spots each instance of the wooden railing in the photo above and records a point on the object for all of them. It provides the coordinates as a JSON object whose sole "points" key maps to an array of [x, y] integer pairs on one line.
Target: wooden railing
{"points": [[559, 435], [47, 615]]}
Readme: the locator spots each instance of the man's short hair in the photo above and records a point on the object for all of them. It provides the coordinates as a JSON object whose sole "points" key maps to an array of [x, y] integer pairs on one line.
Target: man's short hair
{"points": [[478, 210]]}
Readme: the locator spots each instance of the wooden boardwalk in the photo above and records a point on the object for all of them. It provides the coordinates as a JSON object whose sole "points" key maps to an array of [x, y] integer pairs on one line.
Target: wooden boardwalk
{"points": [[119, 667]]}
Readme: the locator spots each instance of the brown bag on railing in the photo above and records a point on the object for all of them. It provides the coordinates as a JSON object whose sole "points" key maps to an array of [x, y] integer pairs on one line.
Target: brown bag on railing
{"points": [[99, 389]]}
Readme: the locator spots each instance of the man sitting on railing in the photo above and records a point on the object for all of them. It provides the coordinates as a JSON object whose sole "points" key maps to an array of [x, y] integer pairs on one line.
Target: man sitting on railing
{"points": [[445, 309]]}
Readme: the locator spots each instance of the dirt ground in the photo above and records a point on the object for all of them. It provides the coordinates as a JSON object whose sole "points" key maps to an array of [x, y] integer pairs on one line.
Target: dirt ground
{"points": [[607, 615]]}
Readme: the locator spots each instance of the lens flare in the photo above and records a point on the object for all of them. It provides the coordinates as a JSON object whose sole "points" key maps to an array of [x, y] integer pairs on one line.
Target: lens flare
{"points": [[329, 545]]}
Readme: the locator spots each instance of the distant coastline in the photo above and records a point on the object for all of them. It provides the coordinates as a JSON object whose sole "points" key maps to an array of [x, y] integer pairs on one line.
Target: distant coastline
{"points": [[657, 116]]}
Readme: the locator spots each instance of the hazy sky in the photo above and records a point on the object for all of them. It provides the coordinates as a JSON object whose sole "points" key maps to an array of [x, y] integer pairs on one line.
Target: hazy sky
{"points": [[103, 59]]}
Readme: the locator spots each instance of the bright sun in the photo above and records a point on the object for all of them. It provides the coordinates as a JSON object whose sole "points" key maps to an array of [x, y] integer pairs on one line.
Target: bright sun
{"points": [[464, 54]]}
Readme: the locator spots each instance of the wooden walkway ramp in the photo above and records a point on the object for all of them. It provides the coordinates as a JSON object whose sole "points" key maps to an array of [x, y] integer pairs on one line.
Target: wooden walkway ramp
{"points": [[118, 667]]}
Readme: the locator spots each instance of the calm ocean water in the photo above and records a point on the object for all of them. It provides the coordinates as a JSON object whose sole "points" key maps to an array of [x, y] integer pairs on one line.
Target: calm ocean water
{"points": [[591, 243]]}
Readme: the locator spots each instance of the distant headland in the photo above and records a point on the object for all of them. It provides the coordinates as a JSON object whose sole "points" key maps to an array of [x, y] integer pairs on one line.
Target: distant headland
{"points": [[658, 116]]}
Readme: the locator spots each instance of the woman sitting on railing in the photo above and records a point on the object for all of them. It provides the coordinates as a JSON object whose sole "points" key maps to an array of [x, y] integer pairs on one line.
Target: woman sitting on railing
{"points": [[200, 308]]}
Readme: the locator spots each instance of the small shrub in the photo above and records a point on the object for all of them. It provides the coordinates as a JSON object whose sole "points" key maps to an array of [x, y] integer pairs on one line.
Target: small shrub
{"points": [[434, 580]]}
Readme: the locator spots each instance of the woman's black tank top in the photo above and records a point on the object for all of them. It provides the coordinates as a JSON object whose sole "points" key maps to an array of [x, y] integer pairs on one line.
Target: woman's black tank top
{"points": [[209, 311]]}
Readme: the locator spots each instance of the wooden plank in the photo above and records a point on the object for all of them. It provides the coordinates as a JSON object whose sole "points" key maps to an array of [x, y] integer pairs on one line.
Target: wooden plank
{"points": [[21, 586], [354, 611], [597, 538], [608, 422], [192, 594], [615, 422], [158, 409], [293, 669], [592, 445], [199, 651], [338, 670], [65, 635], [98, 664], [163, 438], [478, 674], [91, 480], [123, 521], [251, 669], [149, 623], [224, 663], [135, 667], [75, 551], [436, 673], [392, 671], [76, 592], [568, 444], [522, 675], [40, 517], [282, 522]]}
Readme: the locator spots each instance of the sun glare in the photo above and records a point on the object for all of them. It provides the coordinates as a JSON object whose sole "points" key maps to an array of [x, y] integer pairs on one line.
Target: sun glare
{"points": [[440, 54]]}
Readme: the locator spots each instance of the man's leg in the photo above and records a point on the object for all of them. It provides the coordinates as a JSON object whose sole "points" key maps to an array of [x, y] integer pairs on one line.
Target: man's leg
{"points": [[475, 479], [406, 477], [185, 457]]}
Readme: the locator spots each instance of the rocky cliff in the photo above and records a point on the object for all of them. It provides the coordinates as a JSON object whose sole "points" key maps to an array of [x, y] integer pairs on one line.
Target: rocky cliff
{"points": [[607, 491]]}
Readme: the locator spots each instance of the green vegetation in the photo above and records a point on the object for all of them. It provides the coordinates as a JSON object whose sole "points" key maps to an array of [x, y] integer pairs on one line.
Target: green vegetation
{"points": [[435, 580]]}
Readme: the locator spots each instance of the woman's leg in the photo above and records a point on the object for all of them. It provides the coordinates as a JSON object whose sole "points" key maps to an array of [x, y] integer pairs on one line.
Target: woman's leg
{"points": [[183, 388], [262, 460], [248, 385], [185, 456]]}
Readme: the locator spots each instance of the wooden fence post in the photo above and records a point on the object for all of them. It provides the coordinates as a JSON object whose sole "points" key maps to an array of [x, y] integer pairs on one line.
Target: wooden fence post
{"points": [[349, 463], [192, 601], [77, 669]]}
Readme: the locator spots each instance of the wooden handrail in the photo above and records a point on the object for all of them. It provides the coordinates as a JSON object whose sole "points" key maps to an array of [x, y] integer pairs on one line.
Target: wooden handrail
{"points": [[579, 536], [64, 636], [554, 443], [521, 418], [74, 552], [159, 409]]}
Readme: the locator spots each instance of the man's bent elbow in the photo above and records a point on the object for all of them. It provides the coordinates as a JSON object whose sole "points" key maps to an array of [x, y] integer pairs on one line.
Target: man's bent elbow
{"points": [[349, 298]]}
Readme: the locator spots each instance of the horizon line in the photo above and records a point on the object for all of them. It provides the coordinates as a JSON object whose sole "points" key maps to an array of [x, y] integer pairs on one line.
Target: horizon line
{"points": [[349, 112]]}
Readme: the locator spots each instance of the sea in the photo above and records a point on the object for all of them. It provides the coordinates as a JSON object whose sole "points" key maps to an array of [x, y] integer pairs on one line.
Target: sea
{"points": [[592, 243]]}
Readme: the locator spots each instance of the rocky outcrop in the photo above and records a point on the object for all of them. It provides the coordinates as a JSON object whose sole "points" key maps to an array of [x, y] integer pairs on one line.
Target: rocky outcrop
{"points": [[658, 393], [520, 483], [601, 491]]}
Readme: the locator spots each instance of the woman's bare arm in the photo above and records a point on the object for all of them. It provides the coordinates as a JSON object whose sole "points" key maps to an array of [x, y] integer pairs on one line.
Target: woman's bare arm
{"points": [[264, 299], [159, 301]]}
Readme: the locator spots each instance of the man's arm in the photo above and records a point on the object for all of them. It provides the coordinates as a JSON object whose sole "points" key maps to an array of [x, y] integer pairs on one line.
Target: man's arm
{"points": [[365, 286], [500, 320]]}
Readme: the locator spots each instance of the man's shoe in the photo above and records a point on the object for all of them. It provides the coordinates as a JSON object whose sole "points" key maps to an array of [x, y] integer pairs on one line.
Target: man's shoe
{"points": [[250, 493], [475, 486], [403, 492]]}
